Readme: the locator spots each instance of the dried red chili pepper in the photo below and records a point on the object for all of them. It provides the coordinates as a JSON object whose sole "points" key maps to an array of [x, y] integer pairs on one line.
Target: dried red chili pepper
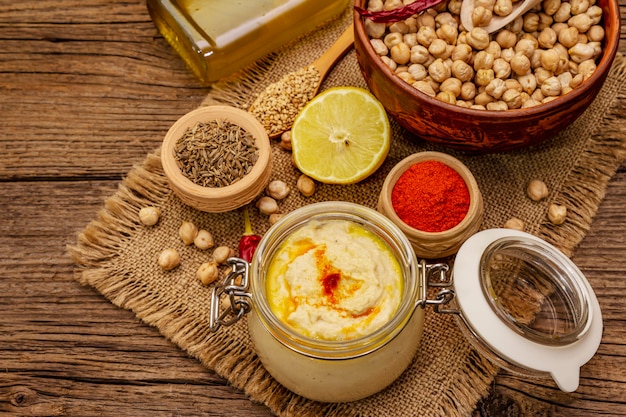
{"points": [[249, 241], [401, 13]]}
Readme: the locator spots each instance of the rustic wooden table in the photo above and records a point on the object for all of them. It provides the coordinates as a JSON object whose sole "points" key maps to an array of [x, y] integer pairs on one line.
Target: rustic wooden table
{"points": [[87, 89]]}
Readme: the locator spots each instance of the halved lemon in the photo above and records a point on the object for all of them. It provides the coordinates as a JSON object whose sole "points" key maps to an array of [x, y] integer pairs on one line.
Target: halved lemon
{"points": [[341, 136]]}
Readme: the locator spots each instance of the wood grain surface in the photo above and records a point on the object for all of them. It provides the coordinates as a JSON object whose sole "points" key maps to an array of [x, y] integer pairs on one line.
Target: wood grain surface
{"points": [[87, 89]]}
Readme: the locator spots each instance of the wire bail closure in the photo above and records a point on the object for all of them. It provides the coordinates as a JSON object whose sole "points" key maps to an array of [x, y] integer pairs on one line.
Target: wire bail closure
{"points": [[235, 287], [437, 276]]}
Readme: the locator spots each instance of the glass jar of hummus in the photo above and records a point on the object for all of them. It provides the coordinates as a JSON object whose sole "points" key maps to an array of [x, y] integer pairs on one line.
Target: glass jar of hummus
{"points": [[335, 291], [335, 300]]}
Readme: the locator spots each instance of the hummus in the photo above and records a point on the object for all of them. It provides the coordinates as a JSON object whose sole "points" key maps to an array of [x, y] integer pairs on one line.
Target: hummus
{"points": [[334, 280]]}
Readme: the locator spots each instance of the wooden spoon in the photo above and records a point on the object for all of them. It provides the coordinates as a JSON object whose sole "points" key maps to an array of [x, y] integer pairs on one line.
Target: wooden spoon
{"points": [[265, 107], [497, 22]]}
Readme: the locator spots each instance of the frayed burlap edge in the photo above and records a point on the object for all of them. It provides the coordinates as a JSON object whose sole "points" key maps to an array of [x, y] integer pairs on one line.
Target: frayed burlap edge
{"points": [[104, 238], [584, 188]]}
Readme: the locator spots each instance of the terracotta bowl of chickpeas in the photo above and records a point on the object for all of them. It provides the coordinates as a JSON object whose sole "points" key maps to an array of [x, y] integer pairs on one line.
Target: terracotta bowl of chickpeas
{"points": [[481, 92]]}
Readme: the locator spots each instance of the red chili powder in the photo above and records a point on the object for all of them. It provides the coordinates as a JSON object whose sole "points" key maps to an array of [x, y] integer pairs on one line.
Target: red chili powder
{"points": [[430, 196]]}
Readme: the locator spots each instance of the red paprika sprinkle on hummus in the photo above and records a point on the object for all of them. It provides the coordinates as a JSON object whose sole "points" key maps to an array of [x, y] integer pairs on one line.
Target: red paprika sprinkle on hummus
{"points": [[431, 197]]}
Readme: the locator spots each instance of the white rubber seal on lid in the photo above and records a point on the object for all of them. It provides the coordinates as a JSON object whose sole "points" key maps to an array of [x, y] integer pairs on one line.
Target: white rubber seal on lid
{"points": [[563, 361]]}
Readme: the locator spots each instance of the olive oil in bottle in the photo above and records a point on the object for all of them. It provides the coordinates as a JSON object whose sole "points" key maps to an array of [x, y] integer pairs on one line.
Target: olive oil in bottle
{"points": [[216, 38]]}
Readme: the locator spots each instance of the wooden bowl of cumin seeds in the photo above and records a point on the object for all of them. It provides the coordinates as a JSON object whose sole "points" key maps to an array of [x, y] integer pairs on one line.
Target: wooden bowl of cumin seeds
{"points": [[217, 158]]}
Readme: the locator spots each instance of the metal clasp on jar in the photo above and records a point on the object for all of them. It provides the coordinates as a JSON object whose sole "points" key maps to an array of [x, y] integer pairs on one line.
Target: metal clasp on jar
{"points": [[437, 276], [235, 288]]}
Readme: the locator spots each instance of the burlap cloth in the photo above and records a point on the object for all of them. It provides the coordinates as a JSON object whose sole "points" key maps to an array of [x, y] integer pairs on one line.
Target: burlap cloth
{"points": [[117, 256]]}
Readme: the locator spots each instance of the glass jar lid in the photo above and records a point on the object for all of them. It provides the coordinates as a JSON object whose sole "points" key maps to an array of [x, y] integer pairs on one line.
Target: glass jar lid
{"points": [[526, 305]]}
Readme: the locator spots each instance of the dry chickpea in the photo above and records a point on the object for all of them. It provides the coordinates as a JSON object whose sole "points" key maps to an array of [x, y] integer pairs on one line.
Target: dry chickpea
{"points": [[579, 6], [547, 38], [425, 20], [484, 77], [513, 84], [516, 25], [187, 232], [531, 22], [512, 98], [399, 27], [582, 22], [537, 190], [496, 88], [305, 185], [204, 240], [482, 99], [375, 30], [545, 21], [497, 106], [483, 60], [375, 5], [426, 35], [526, 47], [481, 16], [557, 213], [506, 39], [439, 49], [379, 47], [520, 64], [439, 71], [568, 37], [222, 253], [285, 140], [406, 77], [478, 38], [208, 272], [563, 13], [582, 52], [446, 97], [410, 39], [278, 190], [168, 259], [595, 13], [389, 62], [424, 87], [541, 75], [267, 205], [455, 6], [417, 71], [586, 68], [461, 52], [392, 4], [494, 49], [501, 68], [515, 224], [462, 71], [392, 39], [468, 91], [528, 82], [503, 7], [550, 59], [447, 33], [400, 53], [149, 216], [550, 7], [419, 54], [451, 85]]}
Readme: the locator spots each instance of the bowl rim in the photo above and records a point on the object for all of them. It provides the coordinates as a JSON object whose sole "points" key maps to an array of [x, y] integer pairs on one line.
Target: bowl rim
{"points": [[610, 47], [476, 201], [223, 112]]}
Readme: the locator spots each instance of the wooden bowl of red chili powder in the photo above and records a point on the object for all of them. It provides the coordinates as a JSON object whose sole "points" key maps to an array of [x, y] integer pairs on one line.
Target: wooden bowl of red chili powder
{"points": [[435, 200]]}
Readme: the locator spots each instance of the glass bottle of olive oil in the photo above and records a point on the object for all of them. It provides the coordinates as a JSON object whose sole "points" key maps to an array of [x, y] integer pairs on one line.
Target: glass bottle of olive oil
{"points": [[216, 38]]}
